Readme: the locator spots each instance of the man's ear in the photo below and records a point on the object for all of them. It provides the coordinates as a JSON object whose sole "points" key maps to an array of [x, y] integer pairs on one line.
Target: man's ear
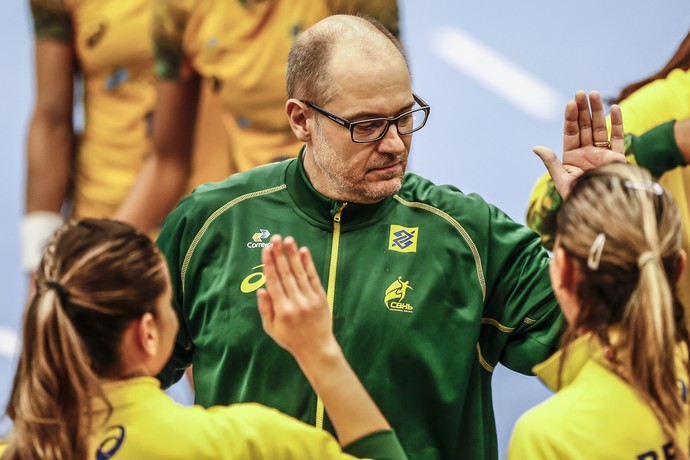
{"points": [[296, 112]]}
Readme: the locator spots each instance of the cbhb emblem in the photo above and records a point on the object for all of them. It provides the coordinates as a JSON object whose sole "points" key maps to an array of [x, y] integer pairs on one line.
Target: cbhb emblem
{"points": [[403, 239], [395, 295]]}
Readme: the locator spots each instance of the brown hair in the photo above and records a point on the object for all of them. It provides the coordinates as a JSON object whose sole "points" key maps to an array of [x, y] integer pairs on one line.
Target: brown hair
{"points": [[679, 60], [95, 278], [307, 76], [628, 280]]}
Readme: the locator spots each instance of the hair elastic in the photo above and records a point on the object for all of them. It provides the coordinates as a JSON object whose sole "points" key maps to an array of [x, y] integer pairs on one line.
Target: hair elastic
{"points": [[646, 257], [59, 289]]}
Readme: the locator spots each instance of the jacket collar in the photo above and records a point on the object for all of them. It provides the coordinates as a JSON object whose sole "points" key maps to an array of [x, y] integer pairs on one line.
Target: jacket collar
{"points": [[321, 209]]}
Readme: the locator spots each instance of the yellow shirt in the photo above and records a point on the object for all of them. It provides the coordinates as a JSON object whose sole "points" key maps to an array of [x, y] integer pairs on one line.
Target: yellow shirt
{"points": [[241, 47], [146, 424], [595, 415]]}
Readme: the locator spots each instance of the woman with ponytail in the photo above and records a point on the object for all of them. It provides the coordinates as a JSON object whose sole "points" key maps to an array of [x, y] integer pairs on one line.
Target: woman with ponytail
{"points": [[622, 373], [99, 326]]}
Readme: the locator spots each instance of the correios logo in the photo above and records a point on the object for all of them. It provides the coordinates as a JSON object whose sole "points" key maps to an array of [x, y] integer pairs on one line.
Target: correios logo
{"points": [[395, 295], [258, 239]]}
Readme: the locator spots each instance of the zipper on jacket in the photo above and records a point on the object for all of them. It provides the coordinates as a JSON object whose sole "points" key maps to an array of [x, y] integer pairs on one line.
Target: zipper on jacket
{"points": [[330, 294]]}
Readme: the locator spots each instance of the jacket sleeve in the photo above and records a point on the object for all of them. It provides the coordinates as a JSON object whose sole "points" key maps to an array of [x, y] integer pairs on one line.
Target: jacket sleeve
{"points": [[52, 20], [169, 22], [521, 323], [173, 241]]}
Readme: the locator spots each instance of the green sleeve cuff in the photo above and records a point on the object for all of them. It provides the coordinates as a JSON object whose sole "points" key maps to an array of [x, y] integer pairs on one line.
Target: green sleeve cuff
{"points": [[380, 445], [657, 149]]}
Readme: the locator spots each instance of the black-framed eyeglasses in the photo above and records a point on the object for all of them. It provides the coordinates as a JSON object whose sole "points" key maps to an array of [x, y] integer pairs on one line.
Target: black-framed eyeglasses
{"points": [[373, 129]]}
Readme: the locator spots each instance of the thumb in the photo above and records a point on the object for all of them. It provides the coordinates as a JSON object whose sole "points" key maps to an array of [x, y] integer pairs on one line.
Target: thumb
{"points": [[547, 157]]}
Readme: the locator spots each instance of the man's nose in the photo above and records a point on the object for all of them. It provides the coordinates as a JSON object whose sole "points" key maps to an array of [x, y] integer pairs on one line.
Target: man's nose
{"points": [[392, 142]]}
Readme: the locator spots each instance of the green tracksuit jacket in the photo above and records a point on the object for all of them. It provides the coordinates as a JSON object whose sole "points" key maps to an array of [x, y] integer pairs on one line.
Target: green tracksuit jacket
{"points": [[429, 289]]}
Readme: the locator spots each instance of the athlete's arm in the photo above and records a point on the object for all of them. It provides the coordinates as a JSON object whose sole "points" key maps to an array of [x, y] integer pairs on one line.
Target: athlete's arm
{"points": [[166, 172], [49, 148], [294, 312]]}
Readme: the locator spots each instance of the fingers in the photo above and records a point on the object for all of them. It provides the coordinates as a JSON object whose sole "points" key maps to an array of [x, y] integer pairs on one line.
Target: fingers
{"points": [[584, 118], [283, 267], [617, 131], [571, 128], [265, 309], [274, 284], [312, 276], [296, 266], [599, 131]]}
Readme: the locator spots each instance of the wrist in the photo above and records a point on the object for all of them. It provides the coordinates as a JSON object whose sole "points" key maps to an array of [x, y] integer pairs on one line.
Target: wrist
{"points": [[319, 362], [35, 229]]}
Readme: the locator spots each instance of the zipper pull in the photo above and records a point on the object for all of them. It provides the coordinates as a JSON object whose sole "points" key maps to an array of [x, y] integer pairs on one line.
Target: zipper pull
{"points": [[336, 216]]}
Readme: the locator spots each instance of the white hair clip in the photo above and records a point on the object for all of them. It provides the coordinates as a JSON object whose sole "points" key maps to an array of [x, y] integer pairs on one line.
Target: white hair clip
{"points": [[652, 187], [595, 251]]}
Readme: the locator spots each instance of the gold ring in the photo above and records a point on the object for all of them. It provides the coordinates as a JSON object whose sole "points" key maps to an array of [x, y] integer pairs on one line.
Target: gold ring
{"points": [[604, 144]]}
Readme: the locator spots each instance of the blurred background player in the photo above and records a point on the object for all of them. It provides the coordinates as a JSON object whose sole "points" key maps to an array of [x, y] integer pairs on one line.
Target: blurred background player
{"points": [[102, 47]]}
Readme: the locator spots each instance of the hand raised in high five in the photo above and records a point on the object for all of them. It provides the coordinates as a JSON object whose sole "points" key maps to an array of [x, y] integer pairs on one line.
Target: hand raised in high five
{"points": [[586, 142], [294, 312], [293, 306]]}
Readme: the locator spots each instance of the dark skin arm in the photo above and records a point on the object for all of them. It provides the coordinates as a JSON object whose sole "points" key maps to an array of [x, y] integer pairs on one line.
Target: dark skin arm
{"points": [[51, 135], [164, 176]]}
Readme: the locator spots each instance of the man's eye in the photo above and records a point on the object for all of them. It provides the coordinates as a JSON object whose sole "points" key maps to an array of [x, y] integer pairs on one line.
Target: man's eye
{"points": [[369, 126]]}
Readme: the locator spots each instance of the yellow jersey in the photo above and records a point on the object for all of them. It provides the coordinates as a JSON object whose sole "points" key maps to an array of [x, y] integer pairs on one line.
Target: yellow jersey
{"points": [[595, 414]]}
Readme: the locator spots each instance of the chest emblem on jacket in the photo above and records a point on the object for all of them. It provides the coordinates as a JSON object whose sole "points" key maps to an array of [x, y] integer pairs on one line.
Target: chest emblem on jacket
{"points": [[395, 293], [403, 239], [258, 239], [253, 281]]}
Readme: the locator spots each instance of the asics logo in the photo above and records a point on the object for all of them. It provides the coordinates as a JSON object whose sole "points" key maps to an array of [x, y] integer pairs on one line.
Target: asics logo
{"points": [[253, 281]]}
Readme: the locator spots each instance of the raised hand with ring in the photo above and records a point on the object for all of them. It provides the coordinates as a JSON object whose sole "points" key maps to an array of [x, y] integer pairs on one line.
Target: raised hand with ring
{"points": [[586, 143]]}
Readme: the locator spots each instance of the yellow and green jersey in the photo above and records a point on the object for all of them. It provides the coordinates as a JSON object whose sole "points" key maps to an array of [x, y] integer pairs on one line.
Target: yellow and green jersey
{"points": [[595, 414], [241, 47], [653, 105]]}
